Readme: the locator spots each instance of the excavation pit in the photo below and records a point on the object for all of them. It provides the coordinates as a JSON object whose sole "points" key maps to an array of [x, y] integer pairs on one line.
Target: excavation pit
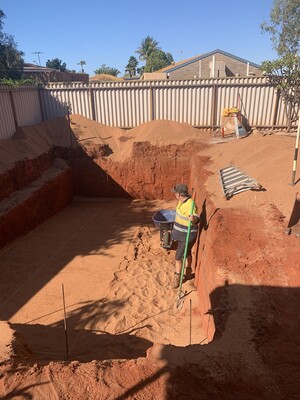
{"points": [[117, 284], [81, 217]]}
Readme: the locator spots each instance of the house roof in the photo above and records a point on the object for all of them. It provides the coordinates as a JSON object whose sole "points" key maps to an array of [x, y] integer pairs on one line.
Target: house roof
{"points": [[36, 68], [105, 77], [183, 63]]}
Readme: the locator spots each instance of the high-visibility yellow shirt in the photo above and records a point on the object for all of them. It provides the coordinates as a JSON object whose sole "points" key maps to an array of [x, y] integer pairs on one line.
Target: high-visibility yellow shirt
{"points": [[180, 227]]}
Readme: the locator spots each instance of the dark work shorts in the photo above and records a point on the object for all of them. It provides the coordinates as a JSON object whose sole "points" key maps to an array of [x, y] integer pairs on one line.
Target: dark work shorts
{"points": [[181, 247]]}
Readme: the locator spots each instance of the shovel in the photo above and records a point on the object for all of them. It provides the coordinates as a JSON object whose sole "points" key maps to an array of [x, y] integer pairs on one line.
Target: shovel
{"points": [[181, 294]]}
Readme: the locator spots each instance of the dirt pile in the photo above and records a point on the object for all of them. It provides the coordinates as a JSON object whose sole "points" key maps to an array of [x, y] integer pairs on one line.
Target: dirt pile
{"points": [[157, 133]]}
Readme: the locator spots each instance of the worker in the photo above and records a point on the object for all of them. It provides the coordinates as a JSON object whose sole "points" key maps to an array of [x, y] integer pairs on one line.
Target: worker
{"points": [[180, 230]]}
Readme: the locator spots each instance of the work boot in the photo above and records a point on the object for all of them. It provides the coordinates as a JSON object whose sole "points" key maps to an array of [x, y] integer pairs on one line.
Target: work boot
{"points": [[188, 273], [176, 280]]}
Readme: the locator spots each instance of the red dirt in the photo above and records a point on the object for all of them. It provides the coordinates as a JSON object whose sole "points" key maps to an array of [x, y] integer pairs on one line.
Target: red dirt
{"points": [[126, 339]]}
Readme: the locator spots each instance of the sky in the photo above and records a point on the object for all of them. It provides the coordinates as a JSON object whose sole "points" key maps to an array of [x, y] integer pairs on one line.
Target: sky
{"points": [[109, 32]]}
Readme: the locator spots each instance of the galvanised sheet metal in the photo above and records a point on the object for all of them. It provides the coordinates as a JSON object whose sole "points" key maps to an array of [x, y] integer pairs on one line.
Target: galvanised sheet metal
{"points": [[27, 105], [188, 101], [281, 114], [261, 105], [53, 105], [80, 102], [190, 105], [66, 85], [120, 85], [239, 81], [199, 102], [256, 103], [124, 108], [7, 125], [57, 99], [205, 109]]}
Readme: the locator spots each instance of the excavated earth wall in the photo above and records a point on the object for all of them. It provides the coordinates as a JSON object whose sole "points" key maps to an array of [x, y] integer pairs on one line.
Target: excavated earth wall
{"points": [[248, 295]]}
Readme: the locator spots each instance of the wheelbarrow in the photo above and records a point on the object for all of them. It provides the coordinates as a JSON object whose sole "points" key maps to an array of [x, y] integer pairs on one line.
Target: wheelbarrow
{"points": [[164, 221]]}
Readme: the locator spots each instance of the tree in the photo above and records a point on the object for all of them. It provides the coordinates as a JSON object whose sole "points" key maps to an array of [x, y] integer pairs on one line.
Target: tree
{"points": [[131, 66], [148, 45], [55, 63], [104, 69], [158, 59], [284, 26], [82, 63], [140, 70], [11, 59], [284, 75]]}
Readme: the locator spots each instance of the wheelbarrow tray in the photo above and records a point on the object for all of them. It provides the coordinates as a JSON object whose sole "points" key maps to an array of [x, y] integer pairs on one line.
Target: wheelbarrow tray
{"points": [[164, 219]]}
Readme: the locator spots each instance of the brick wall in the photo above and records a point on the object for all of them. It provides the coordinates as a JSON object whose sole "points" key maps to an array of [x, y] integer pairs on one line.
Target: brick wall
{"points": [[201, 68]]}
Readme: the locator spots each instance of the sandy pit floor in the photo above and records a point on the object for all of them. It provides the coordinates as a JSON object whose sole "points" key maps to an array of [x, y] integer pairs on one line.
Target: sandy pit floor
{"points": [[106, 256]]}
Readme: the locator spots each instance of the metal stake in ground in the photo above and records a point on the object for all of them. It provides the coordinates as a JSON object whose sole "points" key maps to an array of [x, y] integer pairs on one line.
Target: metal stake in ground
{"points": [[296, 154], [190, 321], [65, 322], [180, 293]]}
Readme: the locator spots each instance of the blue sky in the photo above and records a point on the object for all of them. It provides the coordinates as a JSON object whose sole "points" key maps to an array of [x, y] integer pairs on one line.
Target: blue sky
{"points": [[109, 32]]}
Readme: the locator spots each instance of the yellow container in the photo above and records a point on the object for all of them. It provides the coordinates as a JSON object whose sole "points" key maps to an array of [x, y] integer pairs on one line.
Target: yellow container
{"points": [[229, 111]]}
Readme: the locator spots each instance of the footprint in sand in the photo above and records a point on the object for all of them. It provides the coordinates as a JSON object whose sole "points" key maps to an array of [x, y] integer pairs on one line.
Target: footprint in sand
{"points": [[162, 278]]}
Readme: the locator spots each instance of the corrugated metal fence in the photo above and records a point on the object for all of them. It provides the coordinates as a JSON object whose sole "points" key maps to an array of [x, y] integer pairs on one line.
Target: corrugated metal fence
{"points": [[129, 104]]}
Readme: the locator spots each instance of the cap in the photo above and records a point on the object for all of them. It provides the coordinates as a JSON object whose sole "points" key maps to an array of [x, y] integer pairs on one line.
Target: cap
{"points": [[181, 189]]}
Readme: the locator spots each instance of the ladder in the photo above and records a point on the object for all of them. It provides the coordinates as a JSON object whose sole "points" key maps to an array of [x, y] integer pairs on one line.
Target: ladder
{"points": [[234, 181]]}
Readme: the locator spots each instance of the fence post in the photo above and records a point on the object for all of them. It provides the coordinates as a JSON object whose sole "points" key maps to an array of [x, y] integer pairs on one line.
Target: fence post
{"points": [[275, 110], [12, 102], [41, 102], [214, 107], [151, 110], [92, 103]]}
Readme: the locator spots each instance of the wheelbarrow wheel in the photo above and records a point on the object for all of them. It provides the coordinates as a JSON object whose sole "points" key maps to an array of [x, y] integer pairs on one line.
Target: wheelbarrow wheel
{"points": [[167, 239]]}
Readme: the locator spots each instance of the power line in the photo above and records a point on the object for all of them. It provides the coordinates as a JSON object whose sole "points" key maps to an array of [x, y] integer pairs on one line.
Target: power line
{"points": [[38, 54]]}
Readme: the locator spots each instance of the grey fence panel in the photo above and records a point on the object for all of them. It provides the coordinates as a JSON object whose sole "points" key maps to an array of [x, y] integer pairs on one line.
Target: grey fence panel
{"points": [[256, 103], [261, 106], [79, 101], [281, 116], [57, 99], [27, 106], [205, 110], [124, 108], [53, 104], [190, 104], [198, 102], [7, 124]]}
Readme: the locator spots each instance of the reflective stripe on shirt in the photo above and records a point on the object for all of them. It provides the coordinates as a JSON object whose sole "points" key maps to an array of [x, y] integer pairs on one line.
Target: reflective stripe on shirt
{"points": [[185, 229]]}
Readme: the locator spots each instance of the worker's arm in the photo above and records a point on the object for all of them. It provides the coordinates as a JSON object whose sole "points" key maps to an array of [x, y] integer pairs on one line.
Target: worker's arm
{"points": [[194, 219]]}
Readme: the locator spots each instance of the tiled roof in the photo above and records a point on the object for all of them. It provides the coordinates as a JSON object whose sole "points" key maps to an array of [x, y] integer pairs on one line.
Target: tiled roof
{"points": [[183, 63], [36, 68]]}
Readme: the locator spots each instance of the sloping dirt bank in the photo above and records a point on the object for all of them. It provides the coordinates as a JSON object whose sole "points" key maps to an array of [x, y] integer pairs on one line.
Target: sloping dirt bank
{"points": [[246, 345]]}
